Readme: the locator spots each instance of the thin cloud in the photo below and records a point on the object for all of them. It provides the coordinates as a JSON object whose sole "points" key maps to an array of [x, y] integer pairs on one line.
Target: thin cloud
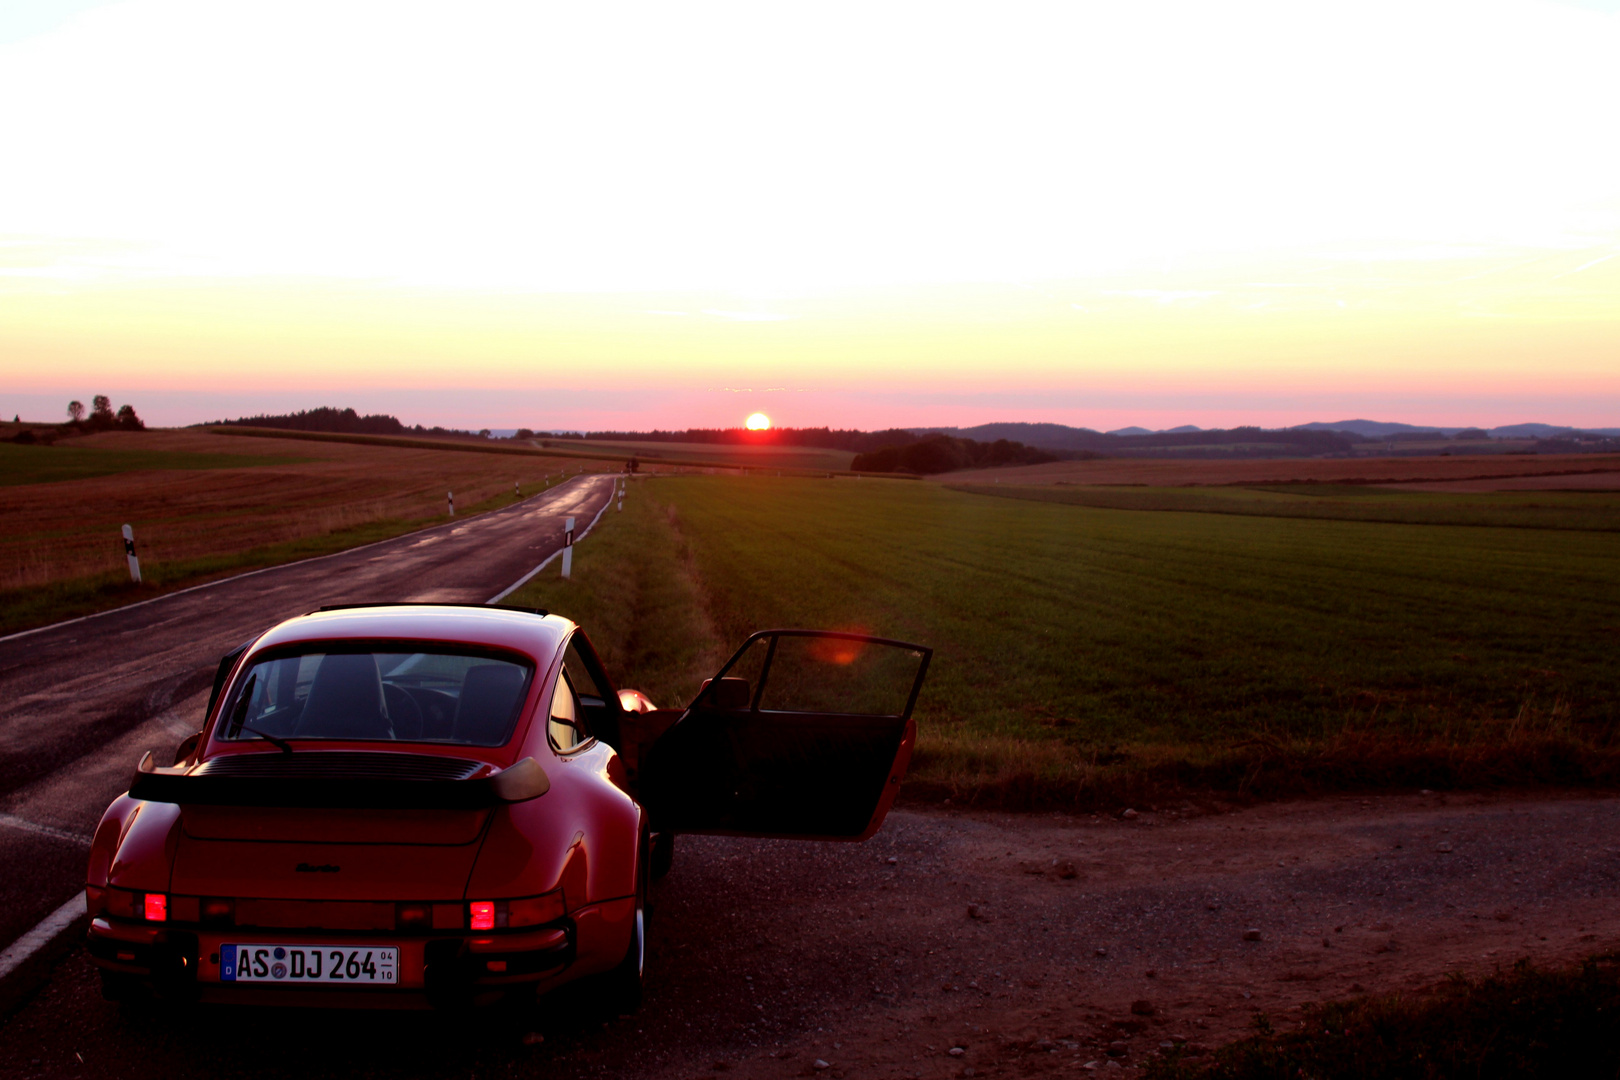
{"points": [[748, 316]]}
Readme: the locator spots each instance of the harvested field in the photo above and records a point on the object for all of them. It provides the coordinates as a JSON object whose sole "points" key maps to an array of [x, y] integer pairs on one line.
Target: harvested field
{"points": [[264, 501], [1358, 470]]}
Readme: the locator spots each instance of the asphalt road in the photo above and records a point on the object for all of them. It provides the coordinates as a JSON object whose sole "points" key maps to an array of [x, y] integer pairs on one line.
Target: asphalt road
{"points": [[81, 701]]}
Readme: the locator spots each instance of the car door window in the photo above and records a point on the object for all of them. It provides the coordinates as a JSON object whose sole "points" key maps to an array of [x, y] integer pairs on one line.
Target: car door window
{"points": [[847, 676], [565, 727], [802, 733], [599, 708], [580, 675]]}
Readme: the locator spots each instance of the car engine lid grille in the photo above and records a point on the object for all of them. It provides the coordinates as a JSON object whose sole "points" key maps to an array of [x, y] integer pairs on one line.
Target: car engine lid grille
{"points": [[340, 764]]}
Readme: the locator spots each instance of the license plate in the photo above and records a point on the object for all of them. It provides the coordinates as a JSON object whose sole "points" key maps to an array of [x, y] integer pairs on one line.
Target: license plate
{"points": [[369, 966]]}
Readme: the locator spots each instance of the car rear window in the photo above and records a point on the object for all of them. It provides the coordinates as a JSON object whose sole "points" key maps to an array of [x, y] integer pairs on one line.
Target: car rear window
{"points": [[393, 692]]}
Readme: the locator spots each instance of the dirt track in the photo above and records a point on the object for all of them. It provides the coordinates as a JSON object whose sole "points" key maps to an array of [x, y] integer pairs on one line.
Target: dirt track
{"points": [[1022, 940]]}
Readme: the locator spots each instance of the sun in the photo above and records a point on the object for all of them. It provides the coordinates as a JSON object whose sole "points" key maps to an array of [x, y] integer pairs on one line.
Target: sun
{"points": [[759, 422]]}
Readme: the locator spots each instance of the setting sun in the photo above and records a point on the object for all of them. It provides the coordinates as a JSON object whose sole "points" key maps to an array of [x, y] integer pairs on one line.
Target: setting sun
{"points": [[759, 422]]}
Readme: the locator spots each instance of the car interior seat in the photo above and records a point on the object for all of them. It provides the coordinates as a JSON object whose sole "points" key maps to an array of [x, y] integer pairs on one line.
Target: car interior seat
{"points": [[345, 700], [490, 694]]}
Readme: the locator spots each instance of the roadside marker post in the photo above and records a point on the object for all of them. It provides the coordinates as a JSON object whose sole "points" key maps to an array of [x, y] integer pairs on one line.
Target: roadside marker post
{"points": [[568, 548], [451, 498], [129, 552]]}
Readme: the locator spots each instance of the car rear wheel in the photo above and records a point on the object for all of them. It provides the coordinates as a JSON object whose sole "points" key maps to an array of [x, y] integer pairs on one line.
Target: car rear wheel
{"points": [[621, 987]]}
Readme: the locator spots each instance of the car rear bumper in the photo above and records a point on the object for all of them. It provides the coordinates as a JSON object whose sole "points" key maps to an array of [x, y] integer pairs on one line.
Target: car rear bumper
{"points": [[434, 970]]}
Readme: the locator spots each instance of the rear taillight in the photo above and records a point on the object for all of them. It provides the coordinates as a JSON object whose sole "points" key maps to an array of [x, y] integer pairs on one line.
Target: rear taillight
{"points": [[509, 914], [155, 907]]}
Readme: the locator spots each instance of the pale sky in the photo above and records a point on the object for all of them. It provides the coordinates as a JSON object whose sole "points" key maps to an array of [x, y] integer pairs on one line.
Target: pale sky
{"points": [[593, 215]]}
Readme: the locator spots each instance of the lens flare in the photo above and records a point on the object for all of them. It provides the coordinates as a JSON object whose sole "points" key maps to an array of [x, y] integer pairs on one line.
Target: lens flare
{"points": [[759, 422]]}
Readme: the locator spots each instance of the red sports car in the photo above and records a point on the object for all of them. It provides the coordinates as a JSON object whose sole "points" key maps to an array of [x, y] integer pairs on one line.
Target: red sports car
{"points": [[435, 804]]}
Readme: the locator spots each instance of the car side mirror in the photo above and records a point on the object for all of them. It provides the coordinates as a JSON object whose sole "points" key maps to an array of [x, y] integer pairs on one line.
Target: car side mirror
{"points": [[187, 747], [635, 701], [730, 693]]}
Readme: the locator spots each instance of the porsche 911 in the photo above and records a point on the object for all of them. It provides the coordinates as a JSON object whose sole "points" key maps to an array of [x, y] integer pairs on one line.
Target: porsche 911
{"points": [[416, 805]]}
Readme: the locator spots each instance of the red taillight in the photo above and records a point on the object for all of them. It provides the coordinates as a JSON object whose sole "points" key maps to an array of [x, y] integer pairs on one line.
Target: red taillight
{"points": [[507, 914], [155, 907]]}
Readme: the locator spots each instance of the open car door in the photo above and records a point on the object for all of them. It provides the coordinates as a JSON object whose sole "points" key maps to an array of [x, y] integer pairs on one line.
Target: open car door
{"points": [[803, 733]]}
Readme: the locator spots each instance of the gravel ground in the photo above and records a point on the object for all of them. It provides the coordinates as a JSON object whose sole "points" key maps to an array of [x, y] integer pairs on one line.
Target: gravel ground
{"points": [[964, 944]]}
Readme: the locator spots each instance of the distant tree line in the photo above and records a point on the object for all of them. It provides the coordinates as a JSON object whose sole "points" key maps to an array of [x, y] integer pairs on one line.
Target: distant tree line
{"points": [[1578, 443], [102, 417], [941, 453], [818, 438], [1303, 442], [343, 422], [1054, 442]]}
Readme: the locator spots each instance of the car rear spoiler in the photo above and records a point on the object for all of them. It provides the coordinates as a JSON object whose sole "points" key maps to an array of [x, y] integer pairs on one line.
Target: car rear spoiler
{"points": [[524, 780]]}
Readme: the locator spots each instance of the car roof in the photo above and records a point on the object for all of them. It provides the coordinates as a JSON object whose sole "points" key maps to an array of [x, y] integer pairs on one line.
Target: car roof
{"points": [[536, 634]]}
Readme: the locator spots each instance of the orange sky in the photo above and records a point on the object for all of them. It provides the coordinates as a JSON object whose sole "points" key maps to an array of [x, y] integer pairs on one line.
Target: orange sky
{"points": [[637, 215]]}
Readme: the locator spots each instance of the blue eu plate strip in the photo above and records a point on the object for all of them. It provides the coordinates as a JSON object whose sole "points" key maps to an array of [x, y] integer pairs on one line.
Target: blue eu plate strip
{"points": [[227, 963]]}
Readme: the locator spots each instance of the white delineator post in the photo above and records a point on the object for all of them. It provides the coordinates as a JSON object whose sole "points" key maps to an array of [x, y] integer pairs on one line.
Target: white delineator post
{"points": [[568, 547], [129, 552], [450, 497], [622, 485]]}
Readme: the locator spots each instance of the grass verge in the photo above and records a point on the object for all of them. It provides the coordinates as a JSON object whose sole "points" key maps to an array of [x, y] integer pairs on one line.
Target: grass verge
{"points": [[1092, 657], [1526, 1023], [636, 591]]}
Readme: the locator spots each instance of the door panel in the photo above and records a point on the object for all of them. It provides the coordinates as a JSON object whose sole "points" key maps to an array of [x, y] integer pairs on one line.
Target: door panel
{"points": [[824, 734]]}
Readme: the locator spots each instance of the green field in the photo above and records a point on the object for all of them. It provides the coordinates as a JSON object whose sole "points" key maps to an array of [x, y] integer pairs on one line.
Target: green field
{"points": [[1086, 653], [48, 464], [1340, 502]]}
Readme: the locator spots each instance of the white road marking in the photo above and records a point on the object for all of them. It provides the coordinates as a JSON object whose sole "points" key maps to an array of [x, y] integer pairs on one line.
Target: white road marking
{"points": [[24, 825], [40, 936], [522, 581], [526, 578], [252, 573]]}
